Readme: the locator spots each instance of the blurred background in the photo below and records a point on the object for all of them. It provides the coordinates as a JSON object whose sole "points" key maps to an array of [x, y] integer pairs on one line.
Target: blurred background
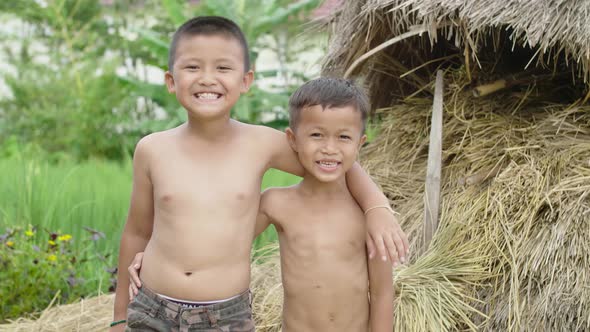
{"points": [[81, 81]]}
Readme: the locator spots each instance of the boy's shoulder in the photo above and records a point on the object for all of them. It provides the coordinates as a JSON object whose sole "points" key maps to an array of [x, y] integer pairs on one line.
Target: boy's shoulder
{"points": [[279, 192], [157, 137], [277, 203], [259, 130], [276, 196], [152, 144]]}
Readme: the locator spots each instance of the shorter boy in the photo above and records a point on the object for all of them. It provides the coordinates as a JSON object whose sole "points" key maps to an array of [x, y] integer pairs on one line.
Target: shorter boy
{"points": [[325, 272]]}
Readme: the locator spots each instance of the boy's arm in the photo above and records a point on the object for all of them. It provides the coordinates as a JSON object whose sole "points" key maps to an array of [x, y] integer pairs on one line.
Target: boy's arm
{"points": [[137, 230], [381, 296], [383, 230], [262, 219], [282, 155]]}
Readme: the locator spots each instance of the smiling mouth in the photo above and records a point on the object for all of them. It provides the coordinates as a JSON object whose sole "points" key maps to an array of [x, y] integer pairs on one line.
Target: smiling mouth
{"points": [[328, 163], [208, 95]]}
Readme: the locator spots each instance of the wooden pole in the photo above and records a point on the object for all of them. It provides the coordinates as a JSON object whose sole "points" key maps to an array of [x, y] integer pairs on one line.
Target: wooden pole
{"points": [[433, 169]]}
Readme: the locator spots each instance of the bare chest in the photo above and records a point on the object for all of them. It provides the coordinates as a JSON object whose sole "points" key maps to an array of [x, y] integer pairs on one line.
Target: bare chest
{"points": [[330, 230], [205, 180]]}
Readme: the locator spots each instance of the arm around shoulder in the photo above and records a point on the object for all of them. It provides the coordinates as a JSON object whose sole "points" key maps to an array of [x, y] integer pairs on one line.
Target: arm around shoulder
{"points": [[384, 233], [282, 156]]}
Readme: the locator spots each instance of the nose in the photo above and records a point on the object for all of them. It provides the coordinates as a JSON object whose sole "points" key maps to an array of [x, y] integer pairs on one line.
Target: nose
{"points": [[329, 147], [206, 78]]}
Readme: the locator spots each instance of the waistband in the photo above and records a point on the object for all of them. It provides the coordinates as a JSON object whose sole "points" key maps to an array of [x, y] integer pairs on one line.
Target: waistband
{"points": [[244, 297]]}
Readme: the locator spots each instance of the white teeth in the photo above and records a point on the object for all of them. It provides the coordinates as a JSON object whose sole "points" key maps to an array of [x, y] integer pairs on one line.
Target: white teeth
{"points": [[207, 95], [328, 163]]}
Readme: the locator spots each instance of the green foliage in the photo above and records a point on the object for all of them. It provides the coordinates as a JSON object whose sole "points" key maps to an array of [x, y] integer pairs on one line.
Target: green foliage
{"points": [[38, 267], [83, 112], [66, 93]]}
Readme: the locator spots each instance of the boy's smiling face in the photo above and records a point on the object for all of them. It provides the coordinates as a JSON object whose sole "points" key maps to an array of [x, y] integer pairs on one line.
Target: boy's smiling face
{"points": [[208, 75], [327, 140]]}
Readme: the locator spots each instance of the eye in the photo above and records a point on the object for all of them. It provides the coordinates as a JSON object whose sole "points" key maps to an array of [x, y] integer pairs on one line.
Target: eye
{"points": [[315, 135], [345, 137], [192, 67], [224, 68]]}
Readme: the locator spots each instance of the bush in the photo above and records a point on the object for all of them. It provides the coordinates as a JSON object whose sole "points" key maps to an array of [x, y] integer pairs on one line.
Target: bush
{"points": [[39, 267]]}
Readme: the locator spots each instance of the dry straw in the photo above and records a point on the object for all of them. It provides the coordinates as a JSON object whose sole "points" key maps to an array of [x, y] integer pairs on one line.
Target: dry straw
{"points": [[516, 164], [524, 214]]}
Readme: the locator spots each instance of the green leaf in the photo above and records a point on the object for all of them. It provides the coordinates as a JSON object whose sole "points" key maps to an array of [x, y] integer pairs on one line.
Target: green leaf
{"points": [[175, 11], [281, 14]]}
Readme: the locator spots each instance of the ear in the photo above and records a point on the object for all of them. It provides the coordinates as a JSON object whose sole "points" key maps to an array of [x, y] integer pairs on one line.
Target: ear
{"points": [[291, 138], [169, 82], [361, 142], [247, 81]]}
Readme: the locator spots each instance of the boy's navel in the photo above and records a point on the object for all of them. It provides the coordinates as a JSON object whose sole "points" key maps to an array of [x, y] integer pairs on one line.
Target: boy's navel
{"points": [[188, 274], [331, 316]]}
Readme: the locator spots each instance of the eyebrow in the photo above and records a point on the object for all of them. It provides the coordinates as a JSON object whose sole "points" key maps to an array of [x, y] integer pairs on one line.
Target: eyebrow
{"points": [[339, 130], [192, 58]]}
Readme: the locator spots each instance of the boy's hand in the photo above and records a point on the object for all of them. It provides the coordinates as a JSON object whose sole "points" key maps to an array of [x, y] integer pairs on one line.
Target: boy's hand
{"points": [[118, 328], [385, 237], [134, 281]]}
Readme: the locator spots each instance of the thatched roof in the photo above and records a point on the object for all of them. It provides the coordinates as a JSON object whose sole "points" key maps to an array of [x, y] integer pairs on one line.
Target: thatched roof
{"points": [[515, 165], [549, 34]]}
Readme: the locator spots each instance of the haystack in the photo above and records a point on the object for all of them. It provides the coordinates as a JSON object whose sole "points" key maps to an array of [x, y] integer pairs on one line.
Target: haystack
{"points": [[513, 243], [92, 314]]}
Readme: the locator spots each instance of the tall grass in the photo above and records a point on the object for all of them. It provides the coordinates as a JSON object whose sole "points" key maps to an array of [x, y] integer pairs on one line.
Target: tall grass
{"points": [[66, 197]]}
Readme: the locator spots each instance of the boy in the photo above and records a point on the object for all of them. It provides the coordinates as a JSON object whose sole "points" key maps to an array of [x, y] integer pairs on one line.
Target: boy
{"points": [[196, 191], [320, 226]]}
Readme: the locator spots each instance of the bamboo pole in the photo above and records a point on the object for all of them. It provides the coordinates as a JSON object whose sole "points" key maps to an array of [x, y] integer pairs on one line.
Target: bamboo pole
{"points": [[433, 168], [382, 46]]}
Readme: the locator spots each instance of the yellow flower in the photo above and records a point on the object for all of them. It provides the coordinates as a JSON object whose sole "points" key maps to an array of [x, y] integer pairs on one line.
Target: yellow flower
{"points": [[10, 244], [29, 233], [52, 258], [51, 242], [65, 237]]}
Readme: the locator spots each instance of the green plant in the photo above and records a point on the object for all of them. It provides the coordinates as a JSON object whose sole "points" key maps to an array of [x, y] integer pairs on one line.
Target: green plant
{"points": [[65, 91], [39, 267]]}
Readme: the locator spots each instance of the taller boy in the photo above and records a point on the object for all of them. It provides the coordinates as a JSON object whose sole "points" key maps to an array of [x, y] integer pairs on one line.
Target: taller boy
{"points": [[196, 192]]}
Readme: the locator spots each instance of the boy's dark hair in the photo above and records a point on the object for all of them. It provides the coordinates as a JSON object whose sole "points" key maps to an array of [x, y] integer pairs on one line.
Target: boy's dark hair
{"points": [[327, 92], [208, 26]]}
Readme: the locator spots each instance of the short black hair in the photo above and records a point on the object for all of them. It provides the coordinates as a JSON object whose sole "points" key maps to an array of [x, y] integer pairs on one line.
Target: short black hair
{"points": [[328, 92], [208, 26]]}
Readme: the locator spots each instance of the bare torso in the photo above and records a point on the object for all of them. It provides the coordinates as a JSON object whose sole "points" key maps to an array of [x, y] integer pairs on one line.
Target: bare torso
{"points": [[206, 197], [323, 261]]}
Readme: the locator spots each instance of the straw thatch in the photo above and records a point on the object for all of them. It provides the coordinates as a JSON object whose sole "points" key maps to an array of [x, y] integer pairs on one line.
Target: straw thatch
{"points": [[528, 223], [530, 34], [516, 164]]}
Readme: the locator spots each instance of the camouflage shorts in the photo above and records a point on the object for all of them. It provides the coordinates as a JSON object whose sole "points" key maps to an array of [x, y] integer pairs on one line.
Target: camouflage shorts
{"points": [[150, 312]]}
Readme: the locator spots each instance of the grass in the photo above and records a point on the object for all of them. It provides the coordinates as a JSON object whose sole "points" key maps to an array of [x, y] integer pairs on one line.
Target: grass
{"points": [[67, 197]]}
